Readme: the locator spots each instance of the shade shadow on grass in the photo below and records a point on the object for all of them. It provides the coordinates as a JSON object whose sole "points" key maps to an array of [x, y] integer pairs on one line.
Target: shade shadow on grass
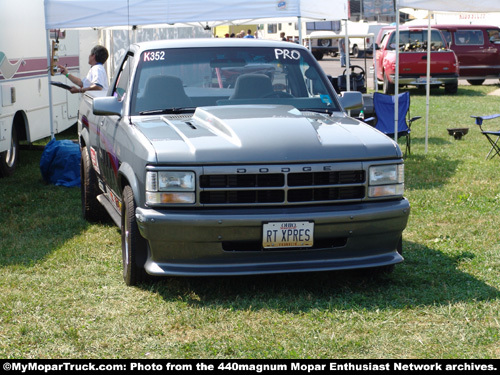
{"points": [[427, 277], [36, 218], [424, 172]]}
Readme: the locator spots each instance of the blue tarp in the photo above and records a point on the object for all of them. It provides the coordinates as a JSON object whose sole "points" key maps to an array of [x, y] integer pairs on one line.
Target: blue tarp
{"points": [[60, 163]]}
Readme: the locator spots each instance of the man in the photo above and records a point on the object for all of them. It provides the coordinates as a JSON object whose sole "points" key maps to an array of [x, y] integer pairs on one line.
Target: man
{"points": [[249, 34], [96, 78], [342, 52]]}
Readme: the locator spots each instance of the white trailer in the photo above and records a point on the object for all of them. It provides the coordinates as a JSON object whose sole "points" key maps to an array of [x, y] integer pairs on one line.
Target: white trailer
{"points": [[24, 82]]}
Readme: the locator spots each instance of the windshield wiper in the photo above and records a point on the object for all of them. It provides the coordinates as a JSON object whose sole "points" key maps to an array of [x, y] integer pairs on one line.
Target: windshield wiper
{"points": [[169, 111], [328, 111]]}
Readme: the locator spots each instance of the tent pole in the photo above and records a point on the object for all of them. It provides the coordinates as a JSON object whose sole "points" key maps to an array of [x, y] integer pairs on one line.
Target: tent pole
{"points": [[374, 54], [347, 50], [396, 85], [49, 80], [299, 21], [428, 83]]}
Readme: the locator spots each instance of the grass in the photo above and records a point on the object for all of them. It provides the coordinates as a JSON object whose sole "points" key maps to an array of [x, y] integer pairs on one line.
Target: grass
{"points": [[62, 294]]}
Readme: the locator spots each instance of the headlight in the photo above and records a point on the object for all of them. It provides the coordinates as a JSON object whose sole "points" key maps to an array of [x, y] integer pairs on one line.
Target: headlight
{"points": [[386, 180], [170, 187]]}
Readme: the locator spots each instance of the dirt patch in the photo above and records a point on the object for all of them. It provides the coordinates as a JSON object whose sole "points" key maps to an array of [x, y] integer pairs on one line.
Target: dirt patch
{"points": [[496, 92]]}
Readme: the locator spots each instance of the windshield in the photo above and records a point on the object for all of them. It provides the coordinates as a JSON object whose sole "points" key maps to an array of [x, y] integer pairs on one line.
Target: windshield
{"points": [[417, 40], [176, 80]]}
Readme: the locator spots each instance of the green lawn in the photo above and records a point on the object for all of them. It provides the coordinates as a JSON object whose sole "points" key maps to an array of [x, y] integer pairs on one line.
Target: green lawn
{"points": [[62, 293]]}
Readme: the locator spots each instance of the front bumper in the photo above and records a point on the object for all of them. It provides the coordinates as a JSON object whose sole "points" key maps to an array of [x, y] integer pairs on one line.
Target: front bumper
{"points": [[418, 80], [229, 242]]}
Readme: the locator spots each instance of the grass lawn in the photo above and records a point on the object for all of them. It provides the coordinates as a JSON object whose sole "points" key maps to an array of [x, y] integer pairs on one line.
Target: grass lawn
{"points": [[62, 293]]}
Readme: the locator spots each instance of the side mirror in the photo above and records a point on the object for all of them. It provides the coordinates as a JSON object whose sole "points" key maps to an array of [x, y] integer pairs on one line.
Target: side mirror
{"points": [[351, 99], [107, 106]]}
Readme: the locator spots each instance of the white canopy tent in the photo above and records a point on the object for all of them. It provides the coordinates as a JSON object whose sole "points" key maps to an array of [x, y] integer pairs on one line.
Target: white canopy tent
{"points": [[78, 14], [109, 13], [459, 6]]}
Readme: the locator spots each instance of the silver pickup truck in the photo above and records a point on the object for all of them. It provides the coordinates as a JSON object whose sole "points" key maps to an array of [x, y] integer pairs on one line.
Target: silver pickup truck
{"points": [[236, 157]]}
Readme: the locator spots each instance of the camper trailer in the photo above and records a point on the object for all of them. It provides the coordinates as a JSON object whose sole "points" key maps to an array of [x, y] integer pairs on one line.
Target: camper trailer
{"points": [[324, 37], [26, 51]]}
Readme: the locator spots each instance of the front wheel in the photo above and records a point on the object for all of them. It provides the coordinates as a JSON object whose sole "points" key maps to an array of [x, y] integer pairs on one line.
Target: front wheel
{"points": [[9, 158], [385, 270], [355, 51], [451, 88], [318, 55], [389, 87], [134, 246], [475, 82]]}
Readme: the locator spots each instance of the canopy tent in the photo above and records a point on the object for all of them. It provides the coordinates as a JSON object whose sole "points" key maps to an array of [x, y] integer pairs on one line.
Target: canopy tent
{"points": [[77, 14], [457, 6], [109, 13]]}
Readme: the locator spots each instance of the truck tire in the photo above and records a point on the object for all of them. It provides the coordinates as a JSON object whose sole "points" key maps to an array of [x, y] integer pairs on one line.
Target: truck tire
{"points": [[475, 82], [451, 88], [318, 55], [388, 86], [92, 210], [385, 270], [10, 157], [134, 246], [355, 51]]}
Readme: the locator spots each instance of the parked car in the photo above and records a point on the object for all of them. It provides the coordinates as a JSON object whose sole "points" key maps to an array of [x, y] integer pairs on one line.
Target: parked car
{"points": [[413, 60], [477, 48], [207, 175]]}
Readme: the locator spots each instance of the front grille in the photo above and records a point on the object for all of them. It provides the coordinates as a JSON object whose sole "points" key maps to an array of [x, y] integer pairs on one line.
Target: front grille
{"points": [[291, 186]]}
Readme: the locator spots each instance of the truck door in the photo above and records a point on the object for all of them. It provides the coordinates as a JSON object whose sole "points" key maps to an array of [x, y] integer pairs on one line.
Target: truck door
{"points": [[109, 129], [380, 54], [470, 49], [492, 41]]}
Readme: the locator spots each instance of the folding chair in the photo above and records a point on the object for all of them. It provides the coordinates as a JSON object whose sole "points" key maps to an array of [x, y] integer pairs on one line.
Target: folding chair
{"points": [[490, 135], [383, 106]]}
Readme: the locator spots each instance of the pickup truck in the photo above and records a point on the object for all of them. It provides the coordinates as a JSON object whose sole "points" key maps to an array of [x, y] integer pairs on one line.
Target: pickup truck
{"points": [[413, 60], [236, 157]]}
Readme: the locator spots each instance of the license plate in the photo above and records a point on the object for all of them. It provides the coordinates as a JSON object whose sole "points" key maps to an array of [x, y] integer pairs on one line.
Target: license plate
{"points": [[422, 80], [287, 234]]}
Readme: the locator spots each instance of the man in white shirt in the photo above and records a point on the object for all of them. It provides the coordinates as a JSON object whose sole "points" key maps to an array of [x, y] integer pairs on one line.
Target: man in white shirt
{"points": [[96, 78]]}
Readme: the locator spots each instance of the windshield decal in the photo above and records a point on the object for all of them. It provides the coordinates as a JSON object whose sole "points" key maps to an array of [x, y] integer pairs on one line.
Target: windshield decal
{"points": [[326, 99], [154, 56], [285, 53]]}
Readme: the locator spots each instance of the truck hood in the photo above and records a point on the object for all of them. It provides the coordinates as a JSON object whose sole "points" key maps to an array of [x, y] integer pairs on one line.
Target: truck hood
{"points": [[262, 133]]}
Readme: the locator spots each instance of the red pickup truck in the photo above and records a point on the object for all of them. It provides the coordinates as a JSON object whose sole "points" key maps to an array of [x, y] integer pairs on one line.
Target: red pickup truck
{"points": [[413, 60]]}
